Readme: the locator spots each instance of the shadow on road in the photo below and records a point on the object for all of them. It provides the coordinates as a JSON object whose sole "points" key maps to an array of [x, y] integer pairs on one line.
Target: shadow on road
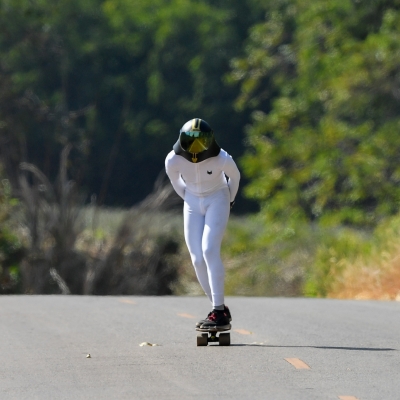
{"points": [[317, 347]]}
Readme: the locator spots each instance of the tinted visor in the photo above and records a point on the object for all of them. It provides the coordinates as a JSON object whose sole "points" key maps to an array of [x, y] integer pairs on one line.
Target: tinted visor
{"points": [[196, 141]]}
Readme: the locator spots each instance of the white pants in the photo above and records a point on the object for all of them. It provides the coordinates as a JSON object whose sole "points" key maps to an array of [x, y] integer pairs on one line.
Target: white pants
{"points": [[205, 220]]}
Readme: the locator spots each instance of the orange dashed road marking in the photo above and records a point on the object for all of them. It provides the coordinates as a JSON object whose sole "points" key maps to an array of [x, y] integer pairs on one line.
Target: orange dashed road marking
{"points": [[242, 331], [297, 363], [187, 315], [127, 301], [348, 398]]}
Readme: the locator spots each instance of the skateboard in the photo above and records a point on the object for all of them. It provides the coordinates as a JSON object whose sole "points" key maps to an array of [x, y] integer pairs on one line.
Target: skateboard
{"points": [[213, 336]]}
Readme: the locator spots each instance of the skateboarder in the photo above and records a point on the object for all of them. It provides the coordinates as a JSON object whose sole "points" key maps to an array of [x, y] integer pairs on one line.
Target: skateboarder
{"points": [[207, 179]]}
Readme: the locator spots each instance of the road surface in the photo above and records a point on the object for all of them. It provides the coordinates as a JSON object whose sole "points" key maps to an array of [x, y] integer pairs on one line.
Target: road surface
{"points": [[282, 349]]}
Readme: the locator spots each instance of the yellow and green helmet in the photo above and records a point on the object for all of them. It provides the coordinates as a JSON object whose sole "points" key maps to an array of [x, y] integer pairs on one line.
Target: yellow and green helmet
{"points": [[196, 136]]}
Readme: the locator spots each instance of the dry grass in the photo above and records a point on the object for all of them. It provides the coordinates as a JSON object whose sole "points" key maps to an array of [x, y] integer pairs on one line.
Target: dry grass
{"points": [[73, 252], [90, 250], [375, 278]]}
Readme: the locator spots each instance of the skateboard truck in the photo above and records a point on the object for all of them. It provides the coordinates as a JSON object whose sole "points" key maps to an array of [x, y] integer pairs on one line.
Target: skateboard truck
{"points": [[223, 339]]}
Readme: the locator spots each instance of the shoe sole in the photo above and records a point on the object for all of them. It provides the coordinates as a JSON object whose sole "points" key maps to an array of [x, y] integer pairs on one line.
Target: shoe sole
{"points": [[215, 329], [199, 324]]}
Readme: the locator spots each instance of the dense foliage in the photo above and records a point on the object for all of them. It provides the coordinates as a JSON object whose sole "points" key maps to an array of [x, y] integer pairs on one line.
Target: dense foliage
{"points": [[305, 93], [117, 79], [324, 83]]}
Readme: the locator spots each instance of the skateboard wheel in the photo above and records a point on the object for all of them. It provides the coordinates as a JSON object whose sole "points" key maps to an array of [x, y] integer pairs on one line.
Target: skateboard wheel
{"points": [[202, 340], [224, 339]]}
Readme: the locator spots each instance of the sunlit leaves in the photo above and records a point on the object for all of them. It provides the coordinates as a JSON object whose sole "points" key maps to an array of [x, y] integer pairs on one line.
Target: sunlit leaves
{"points": [[327, 82]]}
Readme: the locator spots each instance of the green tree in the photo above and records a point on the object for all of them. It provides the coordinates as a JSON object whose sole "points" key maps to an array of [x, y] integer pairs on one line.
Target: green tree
{"points": [[323, 83], [116, 79]]}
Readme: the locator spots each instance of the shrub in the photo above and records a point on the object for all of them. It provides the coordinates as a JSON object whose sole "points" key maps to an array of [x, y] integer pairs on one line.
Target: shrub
{"points": [[11, 249]]}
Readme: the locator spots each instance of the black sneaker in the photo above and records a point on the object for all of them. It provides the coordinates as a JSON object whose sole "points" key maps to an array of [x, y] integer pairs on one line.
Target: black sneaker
{"points": [[217, 320], [228, 313]]}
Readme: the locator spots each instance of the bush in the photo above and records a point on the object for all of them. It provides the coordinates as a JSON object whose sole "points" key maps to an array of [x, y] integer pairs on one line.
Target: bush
{"points": [[11, 249], [65, 255]]}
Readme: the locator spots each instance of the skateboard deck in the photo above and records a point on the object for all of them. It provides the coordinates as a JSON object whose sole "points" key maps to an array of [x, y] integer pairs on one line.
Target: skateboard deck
{"points": [[213, 336]]}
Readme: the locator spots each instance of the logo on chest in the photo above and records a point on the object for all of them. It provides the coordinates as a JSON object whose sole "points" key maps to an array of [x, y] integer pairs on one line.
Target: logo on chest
{"points": [[209, 172]]}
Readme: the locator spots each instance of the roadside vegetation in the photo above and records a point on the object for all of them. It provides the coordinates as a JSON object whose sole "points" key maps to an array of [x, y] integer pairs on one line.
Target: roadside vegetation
{"points": [[314, 261], [52, 243], [142, 251], [305, 94]]}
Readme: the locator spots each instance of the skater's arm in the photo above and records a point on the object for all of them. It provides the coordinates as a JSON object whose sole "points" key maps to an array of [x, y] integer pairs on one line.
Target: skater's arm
{"points": [[232, 172], [176, 179], [177, 183]]}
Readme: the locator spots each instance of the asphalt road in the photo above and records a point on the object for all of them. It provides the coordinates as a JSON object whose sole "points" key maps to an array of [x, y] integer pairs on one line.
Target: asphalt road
{"points": [[281, 349]]}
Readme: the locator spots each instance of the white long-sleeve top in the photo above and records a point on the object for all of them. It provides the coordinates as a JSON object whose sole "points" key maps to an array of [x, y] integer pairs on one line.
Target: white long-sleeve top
{"points": [[205, 177]]}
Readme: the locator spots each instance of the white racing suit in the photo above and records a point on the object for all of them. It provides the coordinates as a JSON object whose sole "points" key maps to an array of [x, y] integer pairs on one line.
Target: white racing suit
{"points": [[207, 188]]}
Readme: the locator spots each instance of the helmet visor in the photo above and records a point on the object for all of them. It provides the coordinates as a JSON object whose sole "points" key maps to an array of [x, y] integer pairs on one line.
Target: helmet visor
{"points": [[196, 141]]}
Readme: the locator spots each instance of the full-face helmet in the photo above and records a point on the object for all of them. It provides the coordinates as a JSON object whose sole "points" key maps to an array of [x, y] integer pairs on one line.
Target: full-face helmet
{"points": [[196, 136]]}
